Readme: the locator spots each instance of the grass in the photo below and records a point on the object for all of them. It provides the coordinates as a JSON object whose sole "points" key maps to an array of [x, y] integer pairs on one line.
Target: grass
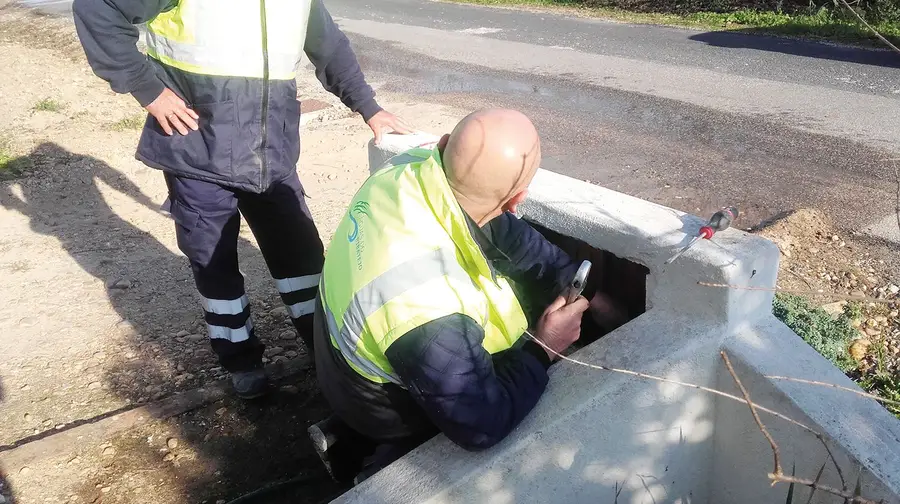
{"points": [[49, 105], [831, 337], [133, 122], [11, 166], [820, 24]]}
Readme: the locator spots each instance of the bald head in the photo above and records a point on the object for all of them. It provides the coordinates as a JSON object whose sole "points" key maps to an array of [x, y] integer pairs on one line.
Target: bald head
{"points": [[490, 158]]}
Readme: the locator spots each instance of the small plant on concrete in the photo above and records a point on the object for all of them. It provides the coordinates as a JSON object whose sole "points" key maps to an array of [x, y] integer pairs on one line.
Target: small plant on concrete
{"points": [[828, 336], [48, 105]]}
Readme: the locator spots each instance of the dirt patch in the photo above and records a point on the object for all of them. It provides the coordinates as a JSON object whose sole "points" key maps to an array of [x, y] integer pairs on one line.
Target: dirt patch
{"points": [[819, 262]]}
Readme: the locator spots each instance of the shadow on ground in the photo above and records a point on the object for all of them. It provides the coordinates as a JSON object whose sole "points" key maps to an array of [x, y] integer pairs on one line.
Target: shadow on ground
{"points": [[224, 450], [762, 39]]}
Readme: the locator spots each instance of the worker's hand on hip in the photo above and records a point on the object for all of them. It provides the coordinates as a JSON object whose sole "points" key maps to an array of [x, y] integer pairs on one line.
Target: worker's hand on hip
{"points": [[560, 325], [171, 113], [383, 122]]}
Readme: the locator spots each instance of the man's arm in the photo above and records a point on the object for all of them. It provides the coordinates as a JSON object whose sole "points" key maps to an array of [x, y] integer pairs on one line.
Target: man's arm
{"points": [[109, 37], [336, 65], [475, 399], [539, 268]]}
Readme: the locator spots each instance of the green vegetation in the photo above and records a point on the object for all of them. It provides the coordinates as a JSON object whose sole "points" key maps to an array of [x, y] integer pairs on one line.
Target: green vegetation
{"points": [[133, 122], [828, 336], [11, 166], [827, 21], [831, 337], [48, 105]]}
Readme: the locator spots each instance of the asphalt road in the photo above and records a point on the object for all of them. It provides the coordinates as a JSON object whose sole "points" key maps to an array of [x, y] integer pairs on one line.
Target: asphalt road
{"points": [[689, 119]]}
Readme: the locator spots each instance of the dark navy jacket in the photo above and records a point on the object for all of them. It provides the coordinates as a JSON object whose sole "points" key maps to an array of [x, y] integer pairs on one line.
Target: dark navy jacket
{"points": [[235, 146], [452, 382]]}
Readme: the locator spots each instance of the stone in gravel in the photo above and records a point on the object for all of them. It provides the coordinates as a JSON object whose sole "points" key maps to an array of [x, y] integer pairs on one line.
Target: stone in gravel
{"points": [[25, 471], [221, 411], [291, 354], [220, 501], [834, 309], [169, 457], [279, 358], [180, 368], [47, 423], [893, 289], [106, 489], [274, 351], [172, 443], [857, 294], [894, 314], [159, 395], [181, 334], [280, 312], [856, 323], [288, 335], [290, 389], [108, 451], [813, 251], [120, 284], [859, 348], [28, 417], [207, 437], [881, 319], [872, 323], [196, 338], [871, 331]]}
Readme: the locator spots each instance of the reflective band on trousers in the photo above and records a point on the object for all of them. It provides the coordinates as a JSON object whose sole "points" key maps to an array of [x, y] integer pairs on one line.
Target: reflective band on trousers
{"points": [[232, 335], [381, 290], [302, 308], [225, 306], [285, 285]]}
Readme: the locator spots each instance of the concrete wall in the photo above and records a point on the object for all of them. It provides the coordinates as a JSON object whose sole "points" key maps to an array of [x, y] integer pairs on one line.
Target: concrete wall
{"points": [[595, 434]]}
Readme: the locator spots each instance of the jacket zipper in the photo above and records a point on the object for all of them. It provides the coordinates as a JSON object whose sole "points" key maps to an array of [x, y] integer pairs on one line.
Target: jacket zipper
{"points": [[264, 168]]}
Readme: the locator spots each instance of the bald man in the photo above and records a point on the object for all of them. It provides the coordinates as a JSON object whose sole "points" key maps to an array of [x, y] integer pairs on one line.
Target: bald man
{"points": [[429, 284]]}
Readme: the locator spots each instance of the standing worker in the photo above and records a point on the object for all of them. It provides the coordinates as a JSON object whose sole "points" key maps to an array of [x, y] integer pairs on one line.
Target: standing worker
{"points": [[224, 126]]}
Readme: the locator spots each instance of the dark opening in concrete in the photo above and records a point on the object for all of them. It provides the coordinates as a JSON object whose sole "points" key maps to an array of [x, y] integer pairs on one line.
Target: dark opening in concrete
{"points": [[622, 280]]}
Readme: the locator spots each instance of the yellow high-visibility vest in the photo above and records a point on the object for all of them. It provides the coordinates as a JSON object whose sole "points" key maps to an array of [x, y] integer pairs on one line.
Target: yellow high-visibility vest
{"points": [[402, 256], [236, 38]]}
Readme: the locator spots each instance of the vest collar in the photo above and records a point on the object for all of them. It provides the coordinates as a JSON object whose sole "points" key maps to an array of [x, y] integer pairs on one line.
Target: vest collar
{"points": [[469, 239]]}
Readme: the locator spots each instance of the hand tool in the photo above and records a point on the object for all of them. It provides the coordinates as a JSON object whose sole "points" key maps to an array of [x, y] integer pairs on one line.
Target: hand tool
{"points": [[578, 282], [720, 221]]}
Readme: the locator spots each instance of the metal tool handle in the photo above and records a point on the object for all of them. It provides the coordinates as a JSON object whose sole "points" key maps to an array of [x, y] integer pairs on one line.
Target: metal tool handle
{"points": [[576, 287]]}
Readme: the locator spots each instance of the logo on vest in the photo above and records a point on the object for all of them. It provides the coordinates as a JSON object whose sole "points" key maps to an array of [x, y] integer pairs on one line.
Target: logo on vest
{"points": [[360, 209]]}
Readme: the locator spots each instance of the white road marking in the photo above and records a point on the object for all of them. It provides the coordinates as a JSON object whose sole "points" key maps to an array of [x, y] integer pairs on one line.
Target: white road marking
{"points": [[479, 31]]}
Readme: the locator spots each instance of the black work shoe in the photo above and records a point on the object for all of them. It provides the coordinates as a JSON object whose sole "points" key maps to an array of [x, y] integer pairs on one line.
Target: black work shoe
{"points": [[250, 384]]}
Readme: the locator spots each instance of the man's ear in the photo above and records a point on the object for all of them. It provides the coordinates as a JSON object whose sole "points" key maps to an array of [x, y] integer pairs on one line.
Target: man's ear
{"points": [[442, 143], [513, 202]]}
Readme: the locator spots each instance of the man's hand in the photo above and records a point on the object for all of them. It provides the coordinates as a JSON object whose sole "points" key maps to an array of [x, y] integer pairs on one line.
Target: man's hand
{"points": [[171, 111], [606, 312], [384, 120], [560, 325]]}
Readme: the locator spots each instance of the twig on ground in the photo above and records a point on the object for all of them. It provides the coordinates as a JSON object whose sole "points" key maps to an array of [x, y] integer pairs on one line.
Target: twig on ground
{"points": [[777, 472], [674, 382], [823, 384], [819, 292], [867, 25], [854, 499]]}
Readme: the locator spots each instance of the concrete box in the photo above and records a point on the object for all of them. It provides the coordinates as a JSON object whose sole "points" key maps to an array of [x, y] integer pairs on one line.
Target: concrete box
{"points": [[605, 437]]}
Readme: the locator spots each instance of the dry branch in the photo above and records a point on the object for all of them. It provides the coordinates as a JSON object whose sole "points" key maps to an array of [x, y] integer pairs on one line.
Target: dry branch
{"points": [[866, 23], [820, 292], [777, 472], [823, 384]]}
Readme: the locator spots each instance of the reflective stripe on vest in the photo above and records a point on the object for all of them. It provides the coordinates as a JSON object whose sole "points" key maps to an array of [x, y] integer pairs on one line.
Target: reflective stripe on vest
{"points": [[225, 37], [402, 257]]}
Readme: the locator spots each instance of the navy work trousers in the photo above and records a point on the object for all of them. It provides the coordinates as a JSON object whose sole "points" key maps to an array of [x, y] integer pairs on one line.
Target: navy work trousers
{"points": [[208, 219]]}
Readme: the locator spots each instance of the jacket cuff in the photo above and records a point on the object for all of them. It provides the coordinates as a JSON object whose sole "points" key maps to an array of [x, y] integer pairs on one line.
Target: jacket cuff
{"points": [[148, 91], [538, 352], [369, 109]]}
